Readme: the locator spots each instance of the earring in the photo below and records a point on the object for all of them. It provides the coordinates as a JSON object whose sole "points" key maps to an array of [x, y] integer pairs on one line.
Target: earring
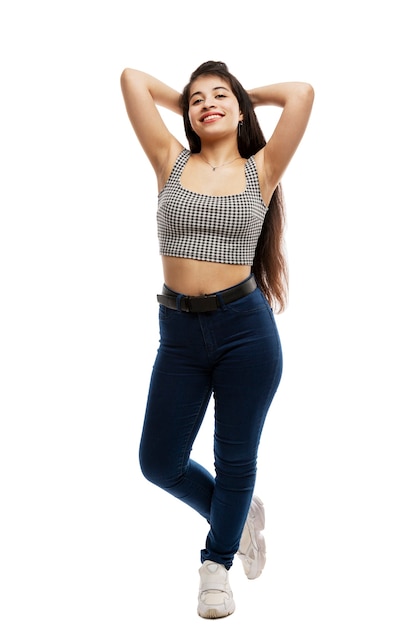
{"points": [[239, 126]]}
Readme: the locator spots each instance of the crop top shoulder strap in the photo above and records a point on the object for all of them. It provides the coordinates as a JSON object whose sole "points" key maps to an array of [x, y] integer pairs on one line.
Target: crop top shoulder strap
{"points": [[251, 172]]}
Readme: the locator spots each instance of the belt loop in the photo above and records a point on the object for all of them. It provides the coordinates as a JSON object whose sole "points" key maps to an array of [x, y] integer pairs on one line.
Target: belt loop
{"points": [[178, 302], [220, 300]]}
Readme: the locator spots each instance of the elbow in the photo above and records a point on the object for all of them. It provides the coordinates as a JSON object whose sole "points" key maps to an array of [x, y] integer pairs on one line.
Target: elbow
{"points": [[305, 95], [309, 93], [124, 76], [302, 94], [306, 91]]}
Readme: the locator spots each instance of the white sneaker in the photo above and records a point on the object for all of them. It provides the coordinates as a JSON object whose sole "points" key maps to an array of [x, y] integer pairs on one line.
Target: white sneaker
{"points": [[215, 598], [252, 550]]}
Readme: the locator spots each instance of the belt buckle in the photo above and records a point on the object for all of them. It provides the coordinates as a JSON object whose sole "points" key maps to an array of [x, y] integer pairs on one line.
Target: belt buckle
{"points": [[201, 304]]}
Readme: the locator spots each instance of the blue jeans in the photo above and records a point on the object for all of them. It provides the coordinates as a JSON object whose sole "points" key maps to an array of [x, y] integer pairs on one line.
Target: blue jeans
{"points": [[235, 354]]}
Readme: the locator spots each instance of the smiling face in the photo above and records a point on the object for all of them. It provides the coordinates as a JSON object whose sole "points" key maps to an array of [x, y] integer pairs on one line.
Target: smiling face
{"points": [[213, 107]]}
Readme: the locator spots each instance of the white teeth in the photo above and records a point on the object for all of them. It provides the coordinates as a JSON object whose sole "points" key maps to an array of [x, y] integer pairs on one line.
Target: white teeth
{"points": [[211, 117]]}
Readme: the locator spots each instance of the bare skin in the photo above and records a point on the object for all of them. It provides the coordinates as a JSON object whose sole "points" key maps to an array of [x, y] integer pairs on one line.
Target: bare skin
{"points": [[214, 115]]}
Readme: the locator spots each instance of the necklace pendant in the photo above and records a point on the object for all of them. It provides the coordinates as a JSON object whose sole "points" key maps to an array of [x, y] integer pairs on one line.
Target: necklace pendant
{"points": [[214, 169]]}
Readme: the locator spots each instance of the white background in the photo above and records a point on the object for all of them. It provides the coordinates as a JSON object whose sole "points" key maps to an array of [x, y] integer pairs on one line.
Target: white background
{"points": [[84, 538]]}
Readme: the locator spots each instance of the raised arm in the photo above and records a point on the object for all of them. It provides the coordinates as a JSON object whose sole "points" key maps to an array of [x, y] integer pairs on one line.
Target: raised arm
{"points": [[142, 93], [296, 100]]}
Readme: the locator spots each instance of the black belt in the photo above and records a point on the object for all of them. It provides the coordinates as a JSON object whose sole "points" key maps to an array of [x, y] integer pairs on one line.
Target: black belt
{"points": [[204, 304]]}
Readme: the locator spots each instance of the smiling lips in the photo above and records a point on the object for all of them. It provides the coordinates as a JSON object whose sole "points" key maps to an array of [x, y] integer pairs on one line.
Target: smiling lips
{"points": [[211, 117]]}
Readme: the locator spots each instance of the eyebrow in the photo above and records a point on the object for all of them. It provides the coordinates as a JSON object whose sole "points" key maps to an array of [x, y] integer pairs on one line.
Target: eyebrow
{"points": [[198, 93]]}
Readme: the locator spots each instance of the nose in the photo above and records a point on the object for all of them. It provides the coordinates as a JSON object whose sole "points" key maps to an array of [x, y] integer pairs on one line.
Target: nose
{"points": [[209, 103]]}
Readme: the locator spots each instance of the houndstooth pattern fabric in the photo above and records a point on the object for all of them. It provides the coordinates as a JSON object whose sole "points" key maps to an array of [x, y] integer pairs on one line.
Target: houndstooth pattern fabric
{"points": [[222, 229]]}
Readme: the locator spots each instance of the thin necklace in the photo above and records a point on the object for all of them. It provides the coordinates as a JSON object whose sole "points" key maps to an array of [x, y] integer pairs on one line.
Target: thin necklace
{"points": [[215, 167]]}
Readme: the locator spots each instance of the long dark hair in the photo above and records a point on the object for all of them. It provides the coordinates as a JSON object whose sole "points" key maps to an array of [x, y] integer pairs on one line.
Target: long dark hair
{"points": [[269, 265]]}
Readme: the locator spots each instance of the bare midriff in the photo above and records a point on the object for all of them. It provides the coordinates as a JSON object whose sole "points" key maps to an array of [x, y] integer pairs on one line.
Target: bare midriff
{"points": [[197, 278]]}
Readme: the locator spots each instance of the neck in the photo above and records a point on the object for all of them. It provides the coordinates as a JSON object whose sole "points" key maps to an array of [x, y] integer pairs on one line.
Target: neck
{"points": [[220, 150], [219, 157]]}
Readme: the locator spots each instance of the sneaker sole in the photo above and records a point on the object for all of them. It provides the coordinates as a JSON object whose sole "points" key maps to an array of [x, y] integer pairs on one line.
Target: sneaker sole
{"points": [[214, 613]]}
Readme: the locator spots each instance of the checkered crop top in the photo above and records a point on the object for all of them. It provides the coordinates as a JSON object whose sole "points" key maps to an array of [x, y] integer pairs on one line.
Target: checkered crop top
{"points": [[222, 229]]}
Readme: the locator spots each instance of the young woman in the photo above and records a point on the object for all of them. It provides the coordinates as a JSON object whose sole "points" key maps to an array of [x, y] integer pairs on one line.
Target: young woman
{"points": [[220, 223]]}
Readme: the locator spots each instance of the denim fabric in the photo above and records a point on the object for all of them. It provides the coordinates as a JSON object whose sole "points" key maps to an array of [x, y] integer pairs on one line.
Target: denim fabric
{"points": [[235, 354]]}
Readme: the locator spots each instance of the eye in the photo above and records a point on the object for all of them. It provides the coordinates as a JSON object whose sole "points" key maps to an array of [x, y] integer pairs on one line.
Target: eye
{"points": [[196, 101], [221, 95]]}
